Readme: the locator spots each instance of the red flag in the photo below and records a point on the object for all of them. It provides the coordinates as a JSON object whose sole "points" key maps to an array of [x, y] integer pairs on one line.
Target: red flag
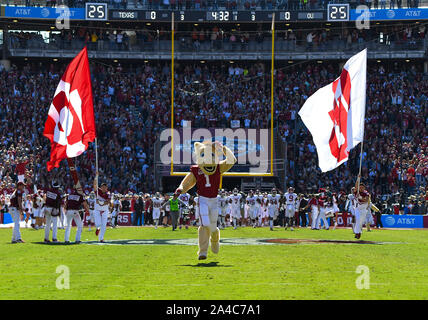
{"points": [[71, 125]]}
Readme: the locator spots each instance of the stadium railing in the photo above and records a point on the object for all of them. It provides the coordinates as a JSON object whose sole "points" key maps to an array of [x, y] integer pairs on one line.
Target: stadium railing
{"points": [[186, 45]]}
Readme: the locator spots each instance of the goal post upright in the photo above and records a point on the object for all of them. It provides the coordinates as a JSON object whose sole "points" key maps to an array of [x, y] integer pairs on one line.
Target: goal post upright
{"points": [[272, 94]]}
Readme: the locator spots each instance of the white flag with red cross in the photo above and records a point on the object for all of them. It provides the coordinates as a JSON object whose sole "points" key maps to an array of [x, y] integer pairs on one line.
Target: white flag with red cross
{"points": [[335, 113]]}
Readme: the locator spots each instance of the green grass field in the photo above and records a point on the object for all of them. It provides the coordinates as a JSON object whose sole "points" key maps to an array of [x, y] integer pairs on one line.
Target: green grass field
{"points": [[398, 270]]}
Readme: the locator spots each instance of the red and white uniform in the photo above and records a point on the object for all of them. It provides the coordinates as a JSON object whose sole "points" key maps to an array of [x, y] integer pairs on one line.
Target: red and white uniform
{"points": [[222, 205], [184, 198], [290, 204], [207, 189], [273, 204], [37, 205], [313, 203], [20, 170], [15, 213], [52, 207], [252, 203], [101, 212], [157, 205], [235, 205], [323, 205], [206, 185], [74, 204], [361, 210]]}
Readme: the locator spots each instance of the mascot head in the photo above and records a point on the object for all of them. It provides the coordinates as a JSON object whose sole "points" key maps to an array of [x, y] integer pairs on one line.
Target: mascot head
{"points": [[207, 156]]}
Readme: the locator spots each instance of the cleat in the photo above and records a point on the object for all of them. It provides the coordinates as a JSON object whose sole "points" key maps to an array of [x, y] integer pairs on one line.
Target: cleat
{"points": [[101, 241], [54, 240], [47, 241], [202, 257], [291, 229], [97, 232], [271, 229], [14, 241], [20, 241], [78, 242], [67, 242]]}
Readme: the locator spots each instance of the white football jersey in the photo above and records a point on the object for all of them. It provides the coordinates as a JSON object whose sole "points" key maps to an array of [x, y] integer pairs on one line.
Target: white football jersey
{"points": [[116, 205], [185, 198], [273, 200], [260, 198], [351, 201], [236, 199], [290, 198], [221, 201], [157, 203], [91, 203], [252, 200]]}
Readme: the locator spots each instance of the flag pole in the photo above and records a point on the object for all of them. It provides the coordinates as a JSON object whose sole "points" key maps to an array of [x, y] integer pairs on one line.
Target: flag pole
{"points": [[359, 172], [172, 94], [96, 162]]}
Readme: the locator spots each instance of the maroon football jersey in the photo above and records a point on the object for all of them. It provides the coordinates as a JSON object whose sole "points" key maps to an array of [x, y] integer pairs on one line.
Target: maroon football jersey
{"points": [[52, 198], [14, 198], [206, 185], [74, 201]]}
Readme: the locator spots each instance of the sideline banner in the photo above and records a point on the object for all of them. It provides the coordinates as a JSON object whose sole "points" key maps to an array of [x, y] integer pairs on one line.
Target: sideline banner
{"points": [[403, 221]]}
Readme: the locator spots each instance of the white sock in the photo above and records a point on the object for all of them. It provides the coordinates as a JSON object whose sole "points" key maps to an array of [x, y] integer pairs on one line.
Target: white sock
{"points": [[271, 223]]}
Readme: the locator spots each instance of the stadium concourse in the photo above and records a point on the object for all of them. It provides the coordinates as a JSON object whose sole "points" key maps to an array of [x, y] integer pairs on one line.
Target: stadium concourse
{"points": [[132, 105]]}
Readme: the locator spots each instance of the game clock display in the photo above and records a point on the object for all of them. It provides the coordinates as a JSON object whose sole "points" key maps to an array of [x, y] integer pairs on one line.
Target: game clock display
{"points": [[338, 12], [95, 11]]}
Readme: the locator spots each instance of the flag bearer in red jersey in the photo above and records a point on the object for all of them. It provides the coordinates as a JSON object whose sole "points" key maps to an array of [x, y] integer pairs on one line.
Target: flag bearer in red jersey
{"points": [[74, 202], [206, 176], [102, 207], [16, 210], [52, 207]]}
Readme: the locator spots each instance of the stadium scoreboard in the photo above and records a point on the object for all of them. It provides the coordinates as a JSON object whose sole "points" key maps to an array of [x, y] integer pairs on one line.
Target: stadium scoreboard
{"points": [[217, 15], [100, 11]]}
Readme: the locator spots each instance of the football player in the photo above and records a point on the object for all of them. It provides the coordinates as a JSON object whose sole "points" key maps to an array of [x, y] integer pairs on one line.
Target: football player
{"points": [[184, 199], [157, 202], [290, 211], [91, 205], [235, 202], [222, 205], [117, 206], [102, 208], [273, 203], [52, 211]]}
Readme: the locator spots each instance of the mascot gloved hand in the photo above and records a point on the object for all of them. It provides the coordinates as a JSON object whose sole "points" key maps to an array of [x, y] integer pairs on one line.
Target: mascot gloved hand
{"points": [[206, 176]]}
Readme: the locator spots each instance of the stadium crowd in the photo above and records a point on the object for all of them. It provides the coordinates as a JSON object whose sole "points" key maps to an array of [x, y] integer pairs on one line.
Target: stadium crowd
{"points": [[202, 38], [132, 105]]}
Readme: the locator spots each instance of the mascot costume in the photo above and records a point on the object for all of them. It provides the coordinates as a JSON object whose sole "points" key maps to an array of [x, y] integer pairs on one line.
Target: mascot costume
{"points": [[206, 176]]}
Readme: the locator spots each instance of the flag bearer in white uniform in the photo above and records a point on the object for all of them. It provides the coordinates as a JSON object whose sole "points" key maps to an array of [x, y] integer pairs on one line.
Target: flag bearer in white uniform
{"points": [[102, 208], [361, 209]]}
